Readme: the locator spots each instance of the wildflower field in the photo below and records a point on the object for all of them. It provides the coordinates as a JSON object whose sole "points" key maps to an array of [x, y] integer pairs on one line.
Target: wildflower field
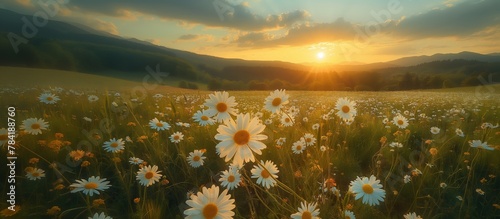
{"points": [[274, 154]]}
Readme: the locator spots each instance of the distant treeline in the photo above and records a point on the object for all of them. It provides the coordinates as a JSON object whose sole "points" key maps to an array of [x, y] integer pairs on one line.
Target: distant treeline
{"points": [[432, 75]]}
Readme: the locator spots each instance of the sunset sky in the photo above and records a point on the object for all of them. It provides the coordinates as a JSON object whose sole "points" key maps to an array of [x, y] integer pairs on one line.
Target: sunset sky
{"points": [[293, 30]]}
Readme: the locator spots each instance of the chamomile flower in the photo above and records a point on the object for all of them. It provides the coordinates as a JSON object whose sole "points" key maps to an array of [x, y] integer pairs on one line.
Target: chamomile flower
{"points": [[412, 215], [93, 185], [240, 139], [114, 145], [158, 125], [479, 144], [287, 120], [93, 98], [202, 118], [195, 158], [48, 98], [369, 189], [265, 175], [309, 139], [176, 137], [346, 109], [281, 141], [459, 132], [395, 145], [35, 173], [100, 216], [400, 121], [315, 126], [210, 204], [135, 161], [299, 146], [435, 130], [34, 126], [349, 215], [221, 106], [148, 175], [275, 101], [230, 178], [306, 210]]}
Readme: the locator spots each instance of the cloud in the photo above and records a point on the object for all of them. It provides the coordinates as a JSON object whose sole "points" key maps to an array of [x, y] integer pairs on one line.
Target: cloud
{"points": [[460, 20], [195, 37], [217, 13], [101, 25]]}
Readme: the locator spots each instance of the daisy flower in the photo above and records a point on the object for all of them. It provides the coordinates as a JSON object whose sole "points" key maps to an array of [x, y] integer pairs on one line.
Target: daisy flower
{"points": [[202, 118], [265, 175], [148, 175], [100, 216], [48, 98], [34, 126], [308, 211], [240, 139], [346, 109], [459, 132], [299, 146], [287, 120], [135, 161], [412, 215], [275, 101], [479, 144], [158, 125], [280, 141], [395, 145], [176, 137], [349, 215], [400, 121], [93, 98], [369, 189], [315, 126], [230, 178], [35, 174], [93, 185], [435, 130], [195, 158], [114, 145], [220, 106], [309, 139], [209, 204], [322, 148]]}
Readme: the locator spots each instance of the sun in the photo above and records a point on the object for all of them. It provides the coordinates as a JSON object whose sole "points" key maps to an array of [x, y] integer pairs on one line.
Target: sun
{"points": [[320, 55]]}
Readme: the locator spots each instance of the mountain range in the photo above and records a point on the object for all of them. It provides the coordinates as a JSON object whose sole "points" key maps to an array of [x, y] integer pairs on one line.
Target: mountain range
{"points": [[61, 45]]}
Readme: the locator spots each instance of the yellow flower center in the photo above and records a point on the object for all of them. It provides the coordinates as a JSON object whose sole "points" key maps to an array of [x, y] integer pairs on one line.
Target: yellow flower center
{"points": [[149, 175], [306, 215], [35, 126], [221, 107], [265, 174], [299, 147], [114, 144], [231, 178], [196, 158], [91, 185], [276, 101], [4, 137], [210, 211], [241, 137], [347, 217], [367, 188], [287, 119], [35, 174], [308, 139], [400, 122], [345, 109], [50, 98], [159, 124], [204, 118], [176, 137]]}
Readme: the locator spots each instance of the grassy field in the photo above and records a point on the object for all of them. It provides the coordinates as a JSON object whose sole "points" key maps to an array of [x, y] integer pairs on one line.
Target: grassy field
{"points": [[426, 167]]}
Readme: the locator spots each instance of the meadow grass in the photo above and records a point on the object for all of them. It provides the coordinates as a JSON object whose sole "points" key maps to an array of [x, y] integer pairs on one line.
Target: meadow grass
{"points": [[445, 182]]}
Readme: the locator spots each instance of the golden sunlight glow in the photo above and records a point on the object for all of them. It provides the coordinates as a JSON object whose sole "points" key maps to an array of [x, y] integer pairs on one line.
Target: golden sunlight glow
{"points": [[320, 55]]}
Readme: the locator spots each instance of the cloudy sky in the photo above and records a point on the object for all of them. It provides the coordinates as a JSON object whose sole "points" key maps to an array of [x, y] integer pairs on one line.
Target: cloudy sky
{"points": [[293, 30]]}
